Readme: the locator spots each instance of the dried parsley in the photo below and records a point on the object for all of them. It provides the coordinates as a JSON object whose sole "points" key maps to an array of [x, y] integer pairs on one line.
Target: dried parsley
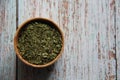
{"points": [[39, 43]]}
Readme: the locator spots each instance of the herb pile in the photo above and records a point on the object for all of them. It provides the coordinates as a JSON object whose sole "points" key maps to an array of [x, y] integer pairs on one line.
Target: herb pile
{"points": [[39, 43]]}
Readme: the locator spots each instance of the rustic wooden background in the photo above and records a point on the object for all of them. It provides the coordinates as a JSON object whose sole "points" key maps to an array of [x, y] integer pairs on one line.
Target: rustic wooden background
{"points": [[91, 30]]}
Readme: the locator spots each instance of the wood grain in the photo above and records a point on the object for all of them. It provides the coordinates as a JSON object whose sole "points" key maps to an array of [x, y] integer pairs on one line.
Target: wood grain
{"points": [[89, 31], [7, 30], [118, 37]]}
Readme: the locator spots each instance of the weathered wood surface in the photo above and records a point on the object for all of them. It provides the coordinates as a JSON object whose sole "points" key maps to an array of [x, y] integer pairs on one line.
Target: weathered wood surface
{"points": [[89, 31], [7, 30], [118, 37]]}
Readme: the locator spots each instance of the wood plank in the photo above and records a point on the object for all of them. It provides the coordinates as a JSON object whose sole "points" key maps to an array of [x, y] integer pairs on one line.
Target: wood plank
{"points": [[7, 30], [118, 37], [89, 32]]}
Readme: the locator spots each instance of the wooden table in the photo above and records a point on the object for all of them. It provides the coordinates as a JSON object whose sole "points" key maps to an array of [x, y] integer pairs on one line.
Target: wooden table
{"points": [[92, 39]]}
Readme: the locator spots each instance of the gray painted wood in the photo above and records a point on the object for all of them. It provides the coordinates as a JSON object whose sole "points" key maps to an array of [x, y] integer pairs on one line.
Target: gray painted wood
{"points": [[118, 37], [7, 30], [89, 32]]}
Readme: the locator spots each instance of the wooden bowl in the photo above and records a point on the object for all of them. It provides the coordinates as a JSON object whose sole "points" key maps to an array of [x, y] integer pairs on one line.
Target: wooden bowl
{"points": [[47, 21]]}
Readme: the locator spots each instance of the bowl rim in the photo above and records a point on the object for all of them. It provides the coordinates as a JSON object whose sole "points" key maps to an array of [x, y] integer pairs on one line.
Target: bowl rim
{"points": [[16, 38]]}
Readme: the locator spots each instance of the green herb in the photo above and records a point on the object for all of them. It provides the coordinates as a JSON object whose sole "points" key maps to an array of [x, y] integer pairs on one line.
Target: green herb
{"points": [[39, 43]]}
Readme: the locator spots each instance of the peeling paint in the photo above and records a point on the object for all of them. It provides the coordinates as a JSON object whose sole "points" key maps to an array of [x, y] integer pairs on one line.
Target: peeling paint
{"points": [[111, 55]]}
